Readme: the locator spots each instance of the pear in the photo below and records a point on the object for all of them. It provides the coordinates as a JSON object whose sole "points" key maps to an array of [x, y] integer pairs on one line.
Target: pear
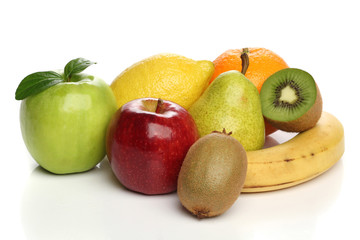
{"points": [[231, 102]]}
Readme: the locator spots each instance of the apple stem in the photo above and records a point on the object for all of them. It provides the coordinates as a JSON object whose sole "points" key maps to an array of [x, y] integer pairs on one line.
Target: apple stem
{"points": [[244, 60], [159, 105]]}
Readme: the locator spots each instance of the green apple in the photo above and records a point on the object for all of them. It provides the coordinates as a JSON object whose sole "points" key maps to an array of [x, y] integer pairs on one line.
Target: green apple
{"points": [[64, 123]]}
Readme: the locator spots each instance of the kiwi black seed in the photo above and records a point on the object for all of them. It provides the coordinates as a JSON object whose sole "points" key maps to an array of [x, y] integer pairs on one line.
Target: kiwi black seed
{"points": [[291, 100], [212, 175]]}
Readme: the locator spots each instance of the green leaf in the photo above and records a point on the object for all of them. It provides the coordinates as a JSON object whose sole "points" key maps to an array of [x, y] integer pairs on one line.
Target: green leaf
{"points": [[40, 81], [76, 66], [36, 83]]}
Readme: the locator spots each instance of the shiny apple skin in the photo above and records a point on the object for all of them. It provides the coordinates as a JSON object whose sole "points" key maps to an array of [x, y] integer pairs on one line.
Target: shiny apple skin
{"points": [[146, 149], [64, 127]]}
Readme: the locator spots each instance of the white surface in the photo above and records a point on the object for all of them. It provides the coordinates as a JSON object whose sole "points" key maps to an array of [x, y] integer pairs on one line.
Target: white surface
{"points": [[320, 37]]}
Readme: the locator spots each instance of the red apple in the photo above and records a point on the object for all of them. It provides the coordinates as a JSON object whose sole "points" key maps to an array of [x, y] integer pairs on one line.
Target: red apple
{"points": [[147, 141]]}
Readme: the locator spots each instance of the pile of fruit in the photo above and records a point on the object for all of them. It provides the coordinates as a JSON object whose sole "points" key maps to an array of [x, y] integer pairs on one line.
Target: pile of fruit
{"points": [[169, 123]]}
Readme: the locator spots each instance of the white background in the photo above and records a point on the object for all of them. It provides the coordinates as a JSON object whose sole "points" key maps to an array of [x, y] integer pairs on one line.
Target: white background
{"points": [[320, 37]]}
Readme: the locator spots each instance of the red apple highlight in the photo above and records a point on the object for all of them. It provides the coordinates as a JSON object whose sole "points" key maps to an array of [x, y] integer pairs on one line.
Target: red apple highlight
{"points": [[147, 140]]}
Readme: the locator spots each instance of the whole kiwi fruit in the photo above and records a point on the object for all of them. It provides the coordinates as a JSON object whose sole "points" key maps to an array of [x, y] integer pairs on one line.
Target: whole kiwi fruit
{"points": [[291, 100], [212, 175]]}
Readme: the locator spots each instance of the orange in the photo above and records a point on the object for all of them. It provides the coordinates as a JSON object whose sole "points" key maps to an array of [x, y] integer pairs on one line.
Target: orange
{"points": [[261, 63]]}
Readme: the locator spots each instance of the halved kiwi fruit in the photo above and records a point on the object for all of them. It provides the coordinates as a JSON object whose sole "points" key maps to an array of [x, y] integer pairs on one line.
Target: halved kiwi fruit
{"points": [[291, 100]]}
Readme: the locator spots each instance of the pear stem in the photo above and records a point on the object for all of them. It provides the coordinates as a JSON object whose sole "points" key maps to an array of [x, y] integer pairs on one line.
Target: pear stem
{"points": [[244, 60]]}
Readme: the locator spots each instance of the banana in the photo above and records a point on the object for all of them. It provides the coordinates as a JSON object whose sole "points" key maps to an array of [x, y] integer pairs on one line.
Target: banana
{"points": [[298, 160]]}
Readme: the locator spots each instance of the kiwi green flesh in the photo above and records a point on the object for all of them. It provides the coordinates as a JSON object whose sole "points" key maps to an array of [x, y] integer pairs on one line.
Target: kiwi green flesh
{"points": [[287, 95], [303, 123]]}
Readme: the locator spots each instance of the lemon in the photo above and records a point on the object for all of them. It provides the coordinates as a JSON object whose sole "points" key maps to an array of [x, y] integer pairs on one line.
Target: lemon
{"points": [[167, 76]]}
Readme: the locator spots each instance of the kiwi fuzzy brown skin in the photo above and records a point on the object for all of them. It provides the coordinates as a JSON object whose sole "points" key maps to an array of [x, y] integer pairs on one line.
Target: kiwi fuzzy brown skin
{"points": [[305, 122], [212, 175]]}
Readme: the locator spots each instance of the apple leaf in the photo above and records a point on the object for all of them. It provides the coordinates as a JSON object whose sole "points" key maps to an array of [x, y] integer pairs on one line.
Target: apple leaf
{"points": [[36, 83], [76, 66], [40, 81]]}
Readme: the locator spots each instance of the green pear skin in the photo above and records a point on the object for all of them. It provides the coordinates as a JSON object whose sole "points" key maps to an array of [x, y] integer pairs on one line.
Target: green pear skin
{"points": [[231, 102]]}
